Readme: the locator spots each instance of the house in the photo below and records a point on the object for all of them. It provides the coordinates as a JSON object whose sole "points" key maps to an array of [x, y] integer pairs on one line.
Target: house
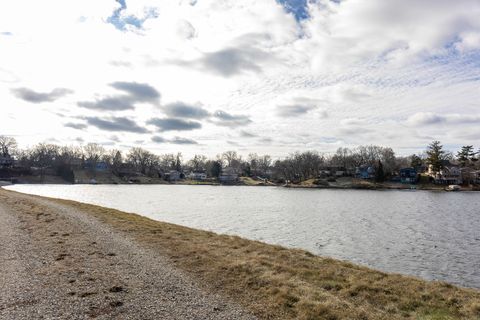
{"points": [[469, 175], [228, 175], [172, 175], [365, 172], [197, 176], [408, 175], [450, 174], [476, 177], [6, 161], [97, 166], [337, 171]]}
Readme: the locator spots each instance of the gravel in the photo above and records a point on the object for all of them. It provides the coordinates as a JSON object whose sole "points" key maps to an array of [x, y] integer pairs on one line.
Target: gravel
{"points": [[59, 263]]}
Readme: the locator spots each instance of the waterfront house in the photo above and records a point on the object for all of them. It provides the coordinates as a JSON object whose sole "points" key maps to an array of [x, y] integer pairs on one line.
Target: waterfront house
{"points": [[197, 176], [337, 171], [450, 174], [468, 175], [476, 176], [173, 175], [365, 172], [6, 161], [408, 175], [228, 175]]}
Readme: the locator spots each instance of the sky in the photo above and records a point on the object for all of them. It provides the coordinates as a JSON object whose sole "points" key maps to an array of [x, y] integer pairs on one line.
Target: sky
{"points": [[264, 76]]}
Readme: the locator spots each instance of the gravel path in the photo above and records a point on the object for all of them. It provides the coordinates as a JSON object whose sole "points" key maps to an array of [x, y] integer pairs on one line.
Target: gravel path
{"points": [[59, 263]]}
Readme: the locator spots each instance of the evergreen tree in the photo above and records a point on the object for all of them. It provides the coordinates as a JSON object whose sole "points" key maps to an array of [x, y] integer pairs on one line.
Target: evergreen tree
{"points": [[435, 155], [416, 161], [465, 155], [379, 172]]}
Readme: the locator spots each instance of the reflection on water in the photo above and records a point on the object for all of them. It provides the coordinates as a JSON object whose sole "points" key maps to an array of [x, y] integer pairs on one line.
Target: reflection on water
{"points": [[434, 235]]}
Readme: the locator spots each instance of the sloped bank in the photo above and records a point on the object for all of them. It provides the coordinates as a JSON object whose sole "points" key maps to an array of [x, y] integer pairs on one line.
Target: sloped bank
{"points": [[278, 283]]}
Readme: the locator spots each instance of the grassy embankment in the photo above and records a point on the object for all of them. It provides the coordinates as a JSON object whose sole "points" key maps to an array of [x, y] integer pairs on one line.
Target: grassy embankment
{"points": [[278, 283]]}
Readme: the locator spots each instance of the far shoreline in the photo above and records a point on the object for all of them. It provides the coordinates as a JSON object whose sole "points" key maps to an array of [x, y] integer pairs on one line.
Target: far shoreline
{"points": [[363, 186]]}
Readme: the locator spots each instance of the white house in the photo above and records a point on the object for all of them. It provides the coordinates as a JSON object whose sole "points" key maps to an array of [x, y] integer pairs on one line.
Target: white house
{"points": [[228, 175], [198, 176], [447, 175]]}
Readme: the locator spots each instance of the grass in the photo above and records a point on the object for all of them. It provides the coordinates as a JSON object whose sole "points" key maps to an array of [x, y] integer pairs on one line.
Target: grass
{"points": [[278, 283]]}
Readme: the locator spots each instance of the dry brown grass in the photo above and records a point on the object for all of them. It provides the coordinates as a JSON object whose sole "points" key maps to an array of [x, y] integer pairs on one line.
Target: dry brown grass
{"points": [[279, 283]]}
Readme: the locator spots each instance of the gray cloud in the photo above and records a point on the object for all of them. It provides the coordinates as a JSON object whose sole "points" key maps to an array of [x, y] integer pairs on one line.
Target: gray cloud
{"points": [[228, 120], [172, 124], [78, 126], [135, 93], [179, 140], [175, 140], [183, 110], [428, 118], [115, 138], [232, 61], [265, 140], [40, 97], [295, 110], [114, 103], [159, 139], [246, 134], [139, 92], [116, 124], [229, 62]]}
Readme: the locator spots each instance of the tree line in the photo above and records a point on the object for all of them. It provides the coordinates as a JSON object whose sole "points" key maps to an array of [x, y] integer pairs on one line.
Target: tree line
{"points": [[297, 166]]}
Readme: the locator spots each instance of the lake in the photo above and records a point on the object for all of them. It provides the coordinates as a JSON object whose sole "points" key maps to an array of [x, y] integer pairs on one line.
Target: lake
{"points": [[433, 235]]}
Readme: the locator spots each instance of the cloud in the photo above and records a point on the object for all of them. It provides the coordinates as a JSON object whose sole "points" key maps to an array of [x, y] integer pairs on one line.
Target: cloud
{"points": [[116, 124], [429, 118], [179, 140], [246, 134], [114, 103], [175, 140], [135, 93], [139, 92], [233, 61], [183, 110], [78, 126], [40, 97], [228, 120], [158, 139], [173, 124], [297, 110]]}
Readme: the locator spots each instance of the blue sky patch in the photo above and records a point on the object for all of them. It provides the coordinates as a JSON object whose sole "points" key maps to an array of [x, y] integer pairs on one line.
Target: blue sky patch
{"points": [[297, 7], [121, 22]]}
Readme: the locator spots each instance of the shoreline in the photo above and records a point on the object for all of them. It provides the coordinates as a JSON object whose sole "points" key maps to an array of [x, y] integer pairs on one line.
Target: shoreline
{"points": [[373, 187], [274, 282]]}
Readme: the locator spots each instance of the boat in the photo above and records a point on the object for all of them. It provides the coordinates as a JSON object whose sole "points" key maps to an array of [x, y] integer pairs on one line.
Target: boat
{"points": [[453, 187]]}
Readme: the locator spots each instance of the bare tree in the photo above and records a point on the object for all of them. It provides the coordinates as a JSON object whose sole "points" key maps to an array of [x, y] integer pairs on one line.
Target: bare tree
{"points": [[140, 159], [8, 146], [198, 163]]}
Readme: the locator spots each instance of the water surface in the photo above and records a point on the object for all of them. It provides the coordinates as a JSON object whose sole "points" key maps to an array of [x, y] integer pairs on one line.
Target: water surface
{"points": [[433, 235]]}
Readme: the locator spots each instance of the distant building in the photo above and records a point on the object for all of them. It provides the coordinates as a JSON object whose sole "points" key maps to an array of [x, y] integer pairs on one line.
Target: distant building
{"points": [[6, 161], [98, 166], [228, 175], [408, 175], [365, 172], [198, 176], [450, 174], [173, 175], [337, 171], [469, 175]]}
